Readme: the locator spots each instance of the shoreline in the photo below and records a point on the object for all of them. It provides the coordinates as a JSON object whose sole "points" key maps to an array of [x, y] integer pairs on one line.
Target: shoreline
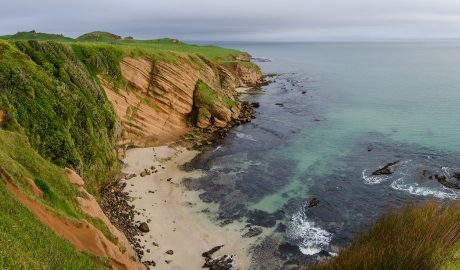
{"points": [[176, 217], [182, 231]]}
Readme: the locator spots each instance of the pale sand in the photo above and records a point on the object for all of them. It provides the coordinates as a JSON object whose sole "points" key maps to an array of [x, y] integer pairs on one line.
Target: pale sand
{"points": [[177, 222]]}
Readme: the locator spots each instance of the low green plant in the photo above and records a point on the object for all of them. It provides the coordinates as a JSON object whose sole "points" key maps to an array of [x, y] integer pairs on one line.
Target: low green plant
{"points": [[207, 96]]}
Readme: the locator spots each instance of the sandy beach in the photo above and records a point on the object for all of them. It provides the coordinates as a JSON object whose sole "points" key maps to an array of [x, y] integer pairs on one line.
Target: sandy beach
{"points": [[174, 214]]}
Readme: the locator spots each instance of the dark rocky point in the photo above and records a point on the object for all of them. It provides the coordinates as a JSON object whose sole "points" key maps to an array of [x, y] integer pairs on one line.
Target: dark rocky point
{"points": [[313, 202], [385, 170]]}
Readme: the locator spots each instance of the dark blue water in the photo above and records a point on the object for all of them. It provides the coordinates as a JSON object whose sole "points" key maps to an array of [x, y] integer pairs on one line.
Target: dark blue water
{"points": [[335, 113]]}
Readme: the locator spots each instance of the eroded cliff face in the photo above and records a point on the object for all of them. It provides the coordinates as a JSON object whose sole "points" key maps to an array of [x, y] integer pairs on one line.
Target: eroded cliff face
{"points": [[156, 105]]}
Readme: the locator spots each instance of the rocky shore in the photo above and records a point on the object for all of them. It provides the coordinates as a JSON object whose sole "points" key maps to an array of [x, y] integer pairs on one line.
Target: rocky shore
{"points": [[138, 205]]}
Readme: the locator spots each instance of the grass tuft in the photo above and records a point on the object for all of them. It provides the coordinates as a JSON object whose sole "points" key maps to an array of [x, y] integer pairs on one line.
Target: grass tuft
{"points": [[416, 236]]}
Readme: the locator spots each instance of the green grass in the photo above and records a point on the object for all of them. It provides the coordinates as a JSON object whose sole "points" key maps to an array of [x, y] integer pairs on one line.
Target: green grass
{"points": [[417, 236], [59, 105], [28, 241], [205, 96], [36, 36], [28, 244], [160, 49], [98, 36], [57, 115]]}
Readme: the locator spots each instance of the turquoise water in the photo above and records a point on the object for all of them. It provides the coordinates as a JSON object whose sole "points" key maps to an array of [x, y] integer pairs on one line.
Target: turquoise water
{"points": [[344, 110]]}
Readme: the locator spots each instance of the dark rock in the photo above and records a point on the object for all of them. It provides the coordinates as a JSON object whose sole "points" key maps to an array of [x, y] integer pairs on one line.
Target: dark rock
{"points": [[253, 232], [115, 204], [442, 179], [143, 227], [255, 104], [170, 252], [312, 203], [304, 92], [427, 174], [264, 219], [385, 170], [281, 227], [221, 263], [456, 175], [211, 251], [149, 263], [324, 253]]}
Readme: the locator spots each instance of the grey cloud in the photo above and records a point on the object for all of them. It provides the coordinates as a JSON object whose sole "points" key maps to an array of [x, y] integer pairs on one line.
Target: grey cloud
{"points": [[239, 19]]}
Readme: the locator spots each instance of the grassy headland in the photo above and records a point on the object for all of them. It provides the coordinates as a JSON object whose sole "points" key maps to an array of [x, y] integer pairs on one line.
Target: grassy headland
{"points": [[54, 114]]}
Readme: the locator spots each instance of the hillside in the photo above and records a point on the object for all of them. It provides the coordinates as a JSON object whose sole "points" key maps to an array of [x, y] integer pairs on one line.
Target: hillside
{"points": [[78, 104]]}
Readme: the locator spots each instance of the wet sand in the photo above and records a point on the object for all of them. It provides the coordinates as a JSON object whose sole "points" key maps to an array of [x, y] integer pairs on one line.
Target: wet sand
{"points": [[177, 221]]}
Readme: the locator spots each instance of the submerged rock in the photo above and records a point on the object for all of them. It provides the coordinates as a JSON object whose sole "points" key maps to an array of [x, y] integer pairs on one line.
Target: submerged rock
{"points": [[386, 170], [264, 219], [252, 232]]}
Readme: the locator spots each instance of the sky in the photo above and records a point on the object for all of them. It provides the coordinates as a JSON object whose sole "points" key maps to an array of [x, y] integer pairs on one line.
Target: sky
{"points": [[239, 20]]}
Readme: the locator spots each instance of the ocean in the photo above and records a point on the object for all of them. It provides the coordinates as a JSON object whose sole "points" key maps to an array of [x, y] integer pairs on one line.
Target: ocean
{"points": [[333, 114]]}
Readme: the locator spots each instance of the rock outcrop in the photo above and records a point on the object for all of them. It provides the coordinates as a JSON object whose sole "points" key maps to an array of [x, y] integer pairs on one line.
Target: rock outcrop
{"points": [[156, 105]]}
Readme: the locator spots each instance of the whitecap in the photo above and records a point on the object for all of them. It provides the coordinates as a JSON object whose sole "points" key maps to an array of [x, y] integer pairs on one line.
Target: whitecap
{"points": [[400, 169], [373, 180], [418, 190], [313, 239]]}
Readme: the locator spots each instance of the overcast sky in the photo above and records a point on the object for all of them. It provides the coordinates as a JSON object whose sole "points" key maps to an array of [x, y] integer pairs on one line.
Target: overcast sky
{"points": [[239, 20]]}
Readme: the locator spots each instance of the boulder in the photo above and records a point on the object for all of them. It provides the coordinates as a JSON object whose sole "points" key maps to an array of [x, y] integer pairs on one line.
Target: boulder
{"points": [[385, 170], [203, 118], [143, 227], [313, 202], [219, 123]]}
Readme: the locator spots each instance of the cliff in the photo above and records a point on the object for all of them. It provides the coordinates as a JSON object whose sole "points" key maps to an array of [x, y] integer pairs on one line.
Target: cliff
{"points": [[157, 104], [66, 106]]}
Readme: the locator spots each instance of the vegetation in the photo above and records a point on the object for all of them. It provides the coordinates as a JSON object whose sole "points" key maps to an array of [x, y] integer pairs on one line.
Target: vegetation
{"points": [[27, 243], [54, 114], [423, 236], [159, 49], [207, 97], [98, 36], [32, 35], [58, 104]]}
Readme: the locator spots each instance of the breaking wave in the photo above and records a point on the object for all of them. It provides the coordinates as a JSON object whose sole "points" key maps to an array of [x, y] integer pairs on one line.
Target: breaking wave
{"points": [[401, 180], [312, 239]]}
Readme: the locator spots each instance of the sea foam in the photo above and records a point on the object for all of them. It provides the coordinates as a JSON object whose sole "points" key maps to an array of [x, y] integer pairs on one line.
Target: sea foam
{"points": [[313, 239]]}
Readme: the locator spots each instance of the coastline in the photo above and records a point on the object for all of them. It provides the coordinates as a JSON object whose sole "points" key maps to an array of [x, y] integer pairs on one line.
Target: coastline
{"points": [[175, 216]]}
